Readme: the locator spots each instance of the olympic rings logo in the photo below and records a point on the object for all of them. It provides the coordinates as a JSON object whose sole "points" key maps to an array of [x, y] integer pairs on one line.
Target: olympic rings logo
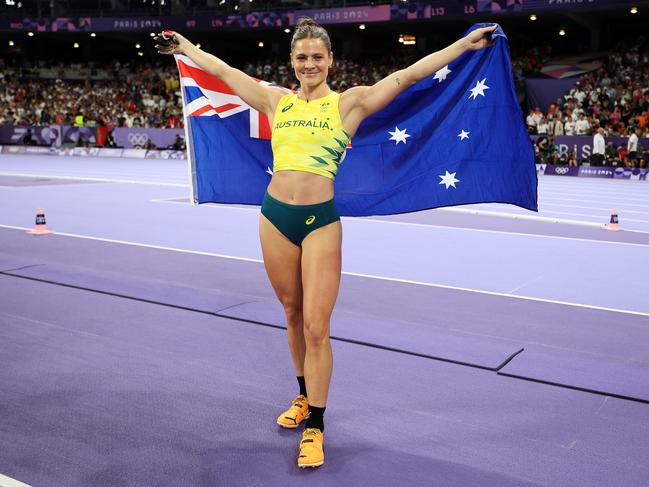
{"points": [[561, 170], [138, 138]]}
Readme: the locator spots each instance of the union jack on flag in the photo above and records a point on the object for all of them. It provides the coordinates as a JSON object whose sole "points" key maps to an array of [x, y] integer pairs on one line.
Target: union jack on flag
{"points": [[454, 138], [208, 96]]}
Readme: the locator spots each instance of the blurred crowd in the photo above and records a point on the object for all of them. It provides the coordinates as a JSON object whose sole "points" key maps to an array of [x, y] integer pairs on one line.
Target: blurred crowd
{"points": [[614, 98], [148, 95], [139, 95]]}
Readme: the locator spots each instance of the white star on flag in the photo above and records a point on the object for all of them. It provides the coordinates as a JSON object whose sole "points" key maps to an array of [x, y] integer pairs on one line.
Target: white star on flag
{"points": [[442, 73], [463, 135], [449, 180], [399, 135], [478, 89]]}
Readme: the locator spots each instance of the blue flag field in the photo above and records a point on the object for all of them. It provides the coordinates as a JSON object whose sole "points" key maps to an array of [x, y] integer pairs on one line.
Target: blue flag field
{"points": [[455, 138]]}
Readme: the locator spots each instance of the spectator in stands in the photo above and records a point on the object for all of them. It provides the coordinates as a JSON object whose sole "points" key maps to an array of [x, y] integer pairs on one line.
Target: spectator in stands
{"points": [[555, 125], [28, 138], [544, 145], [569, 126], [582, 126], [572, 158], [610, 154], [622, 155], [643, 161], [632, 147], [179, 143], [533, 120], [599, 148], [110, 141], [542, 127]]}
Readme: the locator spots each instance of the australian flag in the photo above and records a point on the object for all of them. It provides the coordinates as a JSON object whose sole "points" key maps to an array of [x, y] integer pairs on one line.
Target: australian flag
{"points": [[454, 138]]}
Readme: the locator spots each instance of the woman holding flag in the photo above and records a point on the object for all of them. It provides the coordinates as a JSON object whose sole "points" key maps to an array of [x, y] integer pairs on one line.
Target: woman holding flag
{"points": [[300, 229]]}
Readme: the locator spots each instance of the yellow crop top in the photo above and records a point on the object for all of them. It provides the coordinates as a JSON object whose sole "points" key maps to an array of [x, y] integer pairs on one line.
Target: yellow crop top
{"points": [[308, 136]]}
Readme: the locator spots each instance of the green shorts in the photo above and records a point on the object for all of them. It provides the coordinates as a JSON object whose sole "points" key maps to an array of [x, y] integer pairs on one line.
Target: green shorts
{"points": [[295, 222]]}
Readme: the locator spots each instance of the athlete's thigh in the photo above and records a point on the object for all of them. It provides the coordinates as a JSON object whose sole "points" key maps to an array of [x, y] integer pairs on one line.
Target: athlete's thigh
{"points": [[282, 260], [321, 266]]}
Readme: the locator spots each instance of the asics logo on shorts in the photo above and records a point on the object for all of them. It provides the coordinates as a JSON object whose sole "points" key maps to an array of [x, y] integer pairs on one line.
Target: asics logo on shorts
{"points": [[310, 220]]}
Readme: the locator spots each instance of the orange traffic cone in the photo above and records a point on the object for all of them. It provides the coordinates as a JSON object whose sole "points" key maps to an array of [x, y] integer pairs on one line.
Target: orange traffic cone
{"points": [[41, 227], [614, 225]]}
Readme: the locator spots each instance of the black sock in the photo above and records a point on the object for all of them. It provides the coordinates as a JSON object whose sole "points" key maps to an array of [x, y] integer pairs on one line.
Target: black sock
{"points": [[300, 380], [316, 419]]}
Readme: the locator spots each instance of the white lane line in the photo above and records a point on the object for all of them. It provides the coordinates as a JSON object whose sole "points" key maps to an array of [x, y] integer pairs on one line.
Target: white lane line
{"points": [[369, 276], [523, 216], [577, 193], [429, 225], [513, 214], [481, 230], [621, 208], [101, 180], [545, 198], [531, 281], [9, 482], [136, 244]]}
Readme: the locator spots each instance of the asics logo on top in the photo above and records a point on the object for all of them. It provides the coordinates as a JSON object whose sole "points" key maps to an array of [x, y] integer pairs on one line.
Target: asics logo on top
{"points": [[310, 220], [287, 107]]}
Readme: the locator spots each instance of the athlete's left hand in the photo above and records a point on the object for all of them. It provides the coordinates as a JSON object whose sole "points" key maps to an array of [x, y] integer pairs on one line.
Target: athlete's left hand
{"points": [[480, 38]]}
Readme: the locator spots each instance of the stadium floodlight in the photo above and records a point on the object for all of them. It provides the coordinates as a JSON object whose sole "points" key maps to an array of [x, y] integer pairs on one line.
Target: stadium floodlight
{"points": [[92, 34], [140, 53], [198, 44], [30, 34], [261, 44], [137, 46], [562, 32], [287, 30], [361, 27], [533, 17], [236, 7], [634, 10], [152, 34], [11, 3], [75, 45], [221, 2], [11, 43]]}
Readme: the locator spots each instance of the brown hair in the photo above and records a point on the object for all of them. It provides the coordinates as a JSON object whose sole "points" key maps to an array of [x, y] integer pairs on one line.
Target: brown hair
{"points": [[308, 28]]}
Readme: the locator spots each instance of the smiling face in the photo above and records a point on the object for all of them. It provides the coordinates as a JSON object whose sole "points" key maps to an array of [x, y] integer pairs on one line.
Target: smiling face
{"points": [[311, 61]]}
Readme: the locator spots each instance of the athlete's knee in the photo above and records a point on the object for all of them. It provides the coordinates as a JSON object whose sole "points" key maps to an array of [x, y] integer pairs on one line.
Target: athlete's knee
{"points": [[293, 312], [316, 332]]}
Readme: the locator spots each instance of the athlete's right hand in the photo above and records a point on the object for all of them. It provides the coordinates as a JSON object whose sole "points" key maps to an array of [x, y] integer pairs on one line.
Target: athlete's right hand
{"points": [[170, 42]]}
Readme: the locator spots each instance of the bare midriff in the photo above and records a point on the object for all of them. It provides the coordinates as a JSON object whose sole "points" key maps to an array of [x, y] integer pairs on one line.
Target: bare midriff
{"points": [[300, 188]]}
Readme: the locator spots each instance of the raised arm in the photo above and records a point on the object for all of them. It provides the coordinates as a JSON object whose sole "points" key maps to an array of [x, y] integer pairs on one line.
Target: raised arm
{"points": [[259, 97], [362, 101]]}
